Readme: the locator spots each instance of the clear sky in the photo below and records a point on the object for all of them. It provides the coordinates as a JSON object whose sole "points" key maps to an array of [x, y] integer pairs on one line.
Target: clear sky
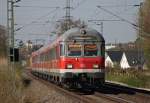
{"points": [[38, 18]]}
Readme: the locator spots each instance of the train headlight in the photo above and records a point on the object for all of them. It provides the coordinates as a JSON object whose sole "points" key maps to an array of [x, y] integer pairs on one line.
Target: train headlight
{"points": [[69, 66], [95, 66]]}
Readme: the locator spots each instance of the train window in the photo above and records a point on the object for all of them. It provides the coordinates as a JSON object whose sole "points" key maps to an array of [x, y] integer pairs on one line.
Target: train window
{"points": [[62, 51], [50, 55], [38, 58], [103, 50], [46, 56], [53, 53], [33, 59], [74, 50], [41, 57], [90, 50]]}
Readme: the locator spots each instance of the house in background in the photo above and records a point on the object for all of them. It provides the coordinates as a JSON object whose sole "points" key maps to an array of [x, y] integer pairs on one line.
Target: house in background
{"points": [[132, 59], [113, 58], [110, 46]]}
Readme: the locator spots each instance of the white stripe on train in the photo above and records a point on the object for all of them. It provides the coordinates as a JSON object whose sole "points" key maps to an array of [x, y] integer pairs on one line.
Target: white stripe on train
{"points": [[69, 70]]}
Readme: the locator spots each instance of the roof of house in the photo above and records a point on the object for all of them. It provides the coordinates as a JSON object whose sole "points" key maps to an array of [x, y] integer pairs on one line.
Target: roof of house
{"points": [[135, 57], [115, 56]]}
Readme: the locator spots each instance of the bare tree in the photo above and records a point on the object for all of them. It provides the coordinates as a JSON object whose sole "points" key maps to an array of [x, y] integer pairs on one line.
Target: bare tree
{"points": [[3, 40], [61, 26], [144, 24]]}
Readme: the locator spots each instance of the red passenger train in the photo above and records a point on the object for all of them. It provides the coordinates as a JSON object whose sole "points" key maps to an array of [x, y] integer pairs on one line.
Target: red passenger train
{"points": [[74, 58]]}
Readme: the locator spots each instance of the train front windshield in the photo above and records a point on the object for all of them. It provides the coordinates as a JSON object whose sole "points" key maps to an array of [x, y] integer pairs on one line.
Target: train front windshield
{"points": [[85, 46], [90, 50], [82, 50], [74, 50]]}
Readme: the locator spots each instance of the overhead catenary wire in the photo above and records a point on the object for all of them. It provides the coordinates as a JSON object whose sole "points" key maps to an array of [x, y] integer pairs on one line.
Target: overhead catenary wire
{"points": [[104, 20], [137, 27], [32, 6], [96, 12], [37, 19], [42, 0], [36, 34], [120, 5], [38, 23], [119, 17], [36, 6]]}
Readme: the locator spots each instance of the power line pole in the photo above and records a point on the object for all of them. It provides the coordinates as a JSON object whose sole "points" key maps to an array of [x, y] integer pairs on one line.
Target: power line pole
{"points": [[11, 30], [137, 27], [100, 23], [101, 26], [10, 48], [10, 27], [67, 17], [10, 22]]}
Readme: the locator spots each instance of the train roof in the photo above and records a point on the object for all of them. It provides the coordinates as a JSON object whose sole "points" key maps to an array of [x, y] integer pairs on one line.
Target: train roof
{"points": [[71, 32], [78, 31]]}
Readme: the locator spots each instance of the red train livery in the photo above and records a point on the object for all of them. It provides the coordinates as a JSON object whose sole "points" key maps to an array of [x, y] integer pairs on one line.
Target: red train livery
{"points": [[76, 57]]}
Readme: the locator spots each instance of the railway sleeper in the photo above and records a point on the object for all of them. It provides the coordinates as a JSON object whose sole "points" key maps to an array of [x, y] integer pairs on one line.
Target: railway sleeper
{"points": [[80, 83]]}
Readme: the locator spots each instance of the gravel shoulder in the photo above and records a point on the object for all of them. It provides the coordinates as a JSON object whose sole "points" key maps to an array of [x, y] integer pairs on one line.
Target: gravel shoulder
{"points": [[37, 92]]}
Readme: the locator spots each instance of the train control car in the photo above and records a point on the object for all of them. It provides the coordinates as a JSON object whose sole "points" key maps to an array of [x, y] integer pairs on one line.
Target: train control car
{"points": [[75, 58]]}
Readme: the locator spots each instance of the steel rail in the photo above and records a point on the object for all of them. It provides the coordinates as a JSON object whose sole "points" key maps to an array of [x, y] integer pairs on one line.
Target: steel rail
{"points": [[113, 98]]}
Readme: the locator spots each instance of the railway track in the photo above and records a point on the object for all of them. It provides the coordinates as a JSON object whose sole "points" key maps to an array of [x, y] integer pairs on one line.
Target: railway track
{"points": [[113, 98], [67, 93], [126, 93], [101, 95], [118, 86]]}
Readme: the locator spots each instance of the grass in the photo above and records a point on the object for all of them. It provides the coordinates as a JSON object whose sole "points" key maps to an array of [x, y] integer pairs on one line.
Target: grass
{"points": [[10, 84], [132, 78]]}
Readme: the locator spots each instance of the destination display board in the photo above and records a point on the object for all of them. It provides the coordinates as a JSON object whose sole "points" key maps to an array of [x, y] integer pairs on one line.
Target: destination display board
{"points": [[90, 50], [74, 50], [90, 47], [74, 47]]}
